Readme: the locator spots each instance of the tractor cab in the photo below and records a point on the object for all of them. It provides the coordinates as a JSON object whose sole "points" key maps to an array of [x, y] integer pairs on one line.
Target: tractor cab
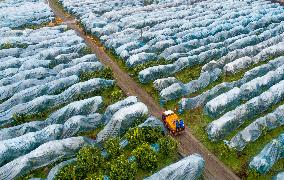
{"points": [[173, 122], [55, 22]]}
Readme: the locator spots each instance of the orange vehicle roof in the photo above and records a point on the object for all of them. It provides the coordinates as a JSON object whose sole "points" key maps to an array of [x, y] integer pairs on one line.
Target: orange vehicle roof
{"points": [[170, 120]]}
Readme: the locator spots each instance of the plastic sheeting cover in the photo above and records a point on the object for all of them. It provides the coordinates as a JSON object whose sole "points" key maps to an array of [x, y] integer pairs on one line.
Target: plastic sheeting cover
{"points": [[269, 155], [45, 154], [190, 167], [122, 120]]}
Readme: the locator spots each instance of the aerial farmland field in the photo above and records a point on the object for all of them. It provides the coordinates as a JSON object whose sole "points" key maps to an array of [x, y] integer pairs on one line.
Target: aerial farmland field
{"points": [[220, 64], [83, 84]]}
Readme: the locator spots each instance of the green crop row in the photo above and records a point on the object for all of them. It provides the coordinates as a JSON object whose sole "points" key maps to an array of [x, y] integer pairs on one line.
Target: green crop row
{"points": [[137, 159]]}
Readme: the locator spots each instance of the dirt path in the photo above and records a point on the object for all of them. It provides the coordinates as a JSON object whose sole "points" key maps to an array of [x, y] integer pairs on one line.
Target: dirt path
{"points": [[214, 169]]}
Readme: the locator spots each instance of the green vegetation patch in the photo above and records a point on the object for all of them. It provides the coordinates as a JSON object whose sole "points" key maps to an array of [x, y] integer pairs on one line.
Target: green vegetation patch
{"points": [[138, 136], [110, 95], [137, 160], [106, 73], [188, 74], [237, 161], [85, 50], [9, 45], [32, 26], [24, 118]]}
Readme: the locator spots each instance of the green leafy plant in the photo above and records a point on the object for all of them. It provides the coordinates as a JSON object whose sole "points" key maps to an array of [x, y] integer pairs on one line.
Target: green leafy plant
{"points": [[116, 94], [122, 169], [146, 158], [6, 46], [110, 98], [137, 136], [85, 50], [95, 176], [23, 118], [168, 146], [23, 46], [112, 147], [89, 160], [254, 173], [91, 164], [67, 172], [106, 73]]}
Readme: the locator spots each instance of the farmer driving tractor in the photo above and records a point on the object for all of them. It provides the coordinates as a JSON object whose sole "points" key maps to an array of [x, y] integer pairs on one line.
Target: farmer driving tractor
{"points": [[172, 122]]}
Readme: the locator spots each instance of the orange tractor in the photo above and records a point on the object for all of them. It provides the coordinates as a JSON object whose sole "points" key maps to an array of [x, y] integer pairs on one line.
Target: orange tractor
{"points": [[172, 122], [55, 22]]}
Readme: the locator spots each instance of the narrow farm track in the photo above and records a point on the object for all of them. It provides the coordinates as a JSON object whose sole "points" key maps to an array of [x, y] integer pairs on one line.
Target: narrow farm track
{"points": [[214, 169]]}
